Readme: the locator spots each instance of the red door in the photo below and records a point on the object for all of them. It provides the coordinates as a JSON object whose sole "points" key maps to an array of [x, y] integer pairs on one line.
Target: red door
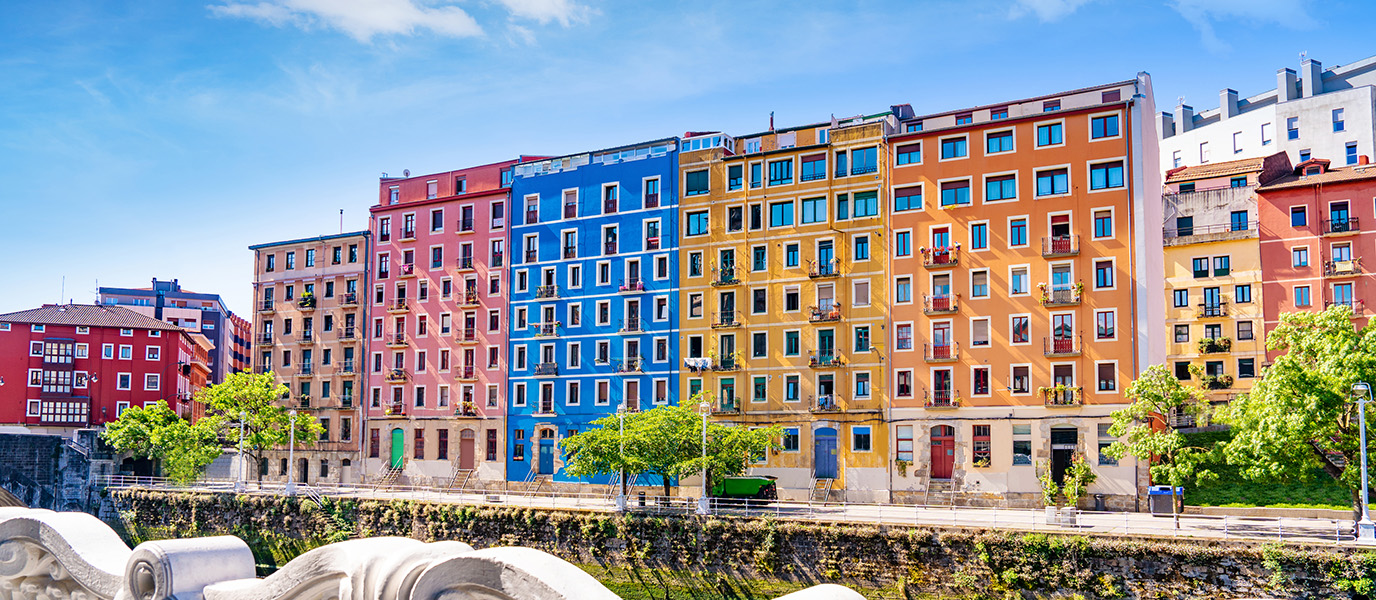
{"points": [[466, 449], [943, 451]]}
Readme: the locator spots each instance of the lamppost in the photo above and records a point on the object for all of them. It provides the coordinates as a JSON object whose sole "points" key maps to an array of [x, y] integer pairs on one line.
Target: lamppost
{"points": [[621, 437], [239, 485], [291, 457], [704, 506], [1366, 530]]}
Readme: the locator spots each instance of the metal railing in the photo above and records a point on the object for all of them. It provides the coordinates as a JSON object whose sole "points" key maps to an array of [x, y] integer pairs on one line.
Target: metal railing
{"points": [[1187, 231], [1340, 268], [467, 372], [632, 284], [824, 359], [824, 268], [1213, 309], [466, 224], [941, 399], [726, 318], [941, 352], [1060, 245], [1068, 296], [350, 299], [547, 291], [532, 256], [725, 276], [346, 367], [570, 210], [532, 215], [825, 403], [1062, 346], [652, 200], [268, 305], [1062, 396], [398, 305], [469, 334], [630, 365], [631, 325], [1345, 225], [396, 339], [397, 375], [408, 269], [546, 329], [935, 304], [609, 247], [825, 312], [546, 369], [941, 256], [466, 263]]}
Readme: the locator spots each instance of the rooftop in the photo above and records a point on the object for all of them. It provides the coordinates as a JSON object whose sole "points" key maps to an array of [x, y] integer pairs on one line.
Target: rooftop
{"points": [[1218, 169], [1329, 176], [87, 315], [322, 238]]}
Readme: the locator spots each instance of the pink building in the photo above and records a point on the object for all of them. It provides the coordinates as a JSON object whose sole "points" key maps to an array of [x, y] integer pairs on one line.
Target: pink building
{"points": [[437, 327]]}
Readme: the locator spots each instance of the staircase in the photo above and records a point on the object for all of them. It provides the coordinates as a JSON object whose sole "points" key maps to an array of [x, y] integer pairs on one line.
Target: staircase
{"points": [[821, 490], [459, 480], [940, 490], [536, 482], [389, 477]]}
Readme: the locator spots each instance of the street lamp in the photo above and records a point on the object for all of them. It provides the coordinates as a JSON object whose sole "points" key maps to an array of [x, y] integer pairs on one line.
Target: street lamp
{"points": [[291, 457], [1366, 530], [621, 437], [704, 507], [239, 486]]}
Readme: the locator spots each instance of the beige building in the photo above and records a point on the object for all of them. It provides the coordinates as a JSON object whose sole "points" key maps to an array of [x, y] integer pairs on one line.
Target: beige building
{"points": [[308, 329]]}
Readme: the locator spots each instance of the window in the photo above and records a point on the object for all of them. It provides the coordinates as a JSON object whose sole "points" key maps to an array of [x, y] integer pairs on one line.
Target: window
{"points": [[1181, 298], [1200, 266], [1022, 445], [862, 247], [1237, 220], [1051, 106], [1204, 152], [1050, 134], [1304, 155], [862, 339], [1103, 223], [1299, 257], [1302, 295], [979, 236], [1103, 127], [955, 193], [1107, 377], [908, 198], [903, 290], [1292, 128], [1244, 330], [781, 214], [1265, 134], [866, 204], [758, 260], [734, 177], [791, 255], [1242, 293], [756, 217], [791, 392], [953, 148], [1237, 142], [842, 207], [1020, 332], [1182, 370], [1018, 281], [1104, 326], [1106, 176], [1352, 153], [861, 291], [1182, 334], [1021, 380], [997, 142], [912, 127], [904, 448], [755, 174], [1246, 367], [965, 119], [1053, 182], [1222, 265], [695, 183], [791, 439], [1338, 124], [980, 449], [791, 343], [781, 172], [979, 332], [697, 223], [1106, 440], [904, 336], [979, 284], [1002, 187], [759, 345], [814, 209], [791, 300], [813, 168], [903, 243], [909, 154], [1017, 232], [860, 438]]}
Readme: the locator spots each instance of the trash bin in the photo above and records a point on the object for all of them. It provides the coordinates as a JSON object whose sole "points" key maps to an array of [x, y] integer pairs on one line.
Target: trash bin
{"points": [[1159, 499], [1099, 503], [642, 499]]}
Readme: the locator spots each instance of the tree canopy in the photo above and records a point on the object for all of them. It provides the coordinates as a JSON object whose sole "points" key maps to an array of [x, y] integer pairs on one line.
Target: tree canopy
{"points": [[665, 441], [257, 396], [184, 449], [1300, 416]]}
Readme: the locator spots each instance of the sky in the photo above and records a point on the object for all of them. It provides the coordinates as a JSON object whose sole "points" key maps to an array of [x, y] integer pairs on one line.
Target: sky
{"points": [[161, 138]]}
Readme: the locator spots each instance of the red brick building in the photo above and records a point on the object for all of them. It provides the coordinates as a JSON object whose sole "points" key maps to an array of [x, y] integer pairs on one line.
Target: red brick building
{"points": [[65, 367]]}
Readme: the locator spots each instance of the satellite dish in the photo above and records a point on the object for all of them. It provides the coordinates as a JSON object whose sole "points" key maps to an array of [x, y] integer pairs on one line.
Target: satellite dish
{"points": [[406, 172]]}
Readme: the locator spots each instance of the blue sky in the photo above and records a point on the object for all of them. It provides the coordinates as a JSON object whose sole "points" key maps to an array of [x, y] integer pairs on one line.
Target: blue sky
{"points": [[161, 138]]}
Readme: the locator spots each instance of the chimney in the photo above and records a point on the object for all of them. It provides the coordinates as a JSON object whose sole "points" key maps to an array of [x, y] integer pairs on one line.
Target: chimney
{"points": [[1227, 104], [1363, 160], [1285, 85], [1312, 82], [158, 304], [1184, 118], [1165, 124]]}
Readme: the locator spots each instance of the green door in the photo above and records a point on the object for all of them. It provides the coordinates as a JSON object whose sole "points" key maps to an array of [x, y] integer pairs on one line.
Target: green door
{"points": [[398, 447]]}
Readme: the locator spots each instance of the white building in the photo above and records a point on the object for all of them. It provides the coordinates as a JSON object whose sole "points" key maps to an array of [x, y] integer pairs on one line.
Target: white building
{"points": [[1316, 113]]}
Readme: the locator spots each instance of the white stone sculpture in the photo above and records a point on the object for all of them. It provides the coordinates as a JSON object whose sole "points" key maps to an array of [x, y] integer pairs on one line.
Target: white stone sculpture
{"points": [[46, 555]]}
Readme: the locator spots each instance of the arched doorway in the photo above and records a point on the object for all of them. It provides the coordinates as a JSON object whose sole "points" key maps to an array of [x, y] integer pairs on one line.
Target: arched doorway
{"points": [[466, 449], [943, 451], [398, 448], [824, 453]]}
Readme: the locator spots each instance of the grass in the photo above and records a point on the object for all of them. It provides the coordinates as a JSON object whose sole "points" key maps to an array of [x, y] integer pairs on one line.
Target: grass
{"points": [[1233, 490]]}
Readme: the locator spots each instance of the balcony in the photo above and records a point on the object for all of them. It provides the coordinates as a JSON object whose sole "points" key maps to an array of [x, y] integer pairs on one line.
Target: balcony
{"points": [[468, 373], [396, 340], [305, 370], [346, 401], [546, 291], [825, 403], [350, 299], [827, 312], [466, 409], [465, 263], [466, 225], [306, 302], [726, 319], [1061, 395], [545, 330], [1061, 296], [652, 243], [728, 363], [570, 252], [468, 335], [1216, 382], [863, 169], [408, 235], [265, 339], [306, 337], [348, 334], [631, 286], [1355, 305], [727, 406], [394, 409], [469, 297], [303, 401], [346, 367], [397, 306], [1208, 232], [630, 365], [609, 248], [609, 206], [652, 200], [1060, 245], [533, 215], [940, 257], [408, 270], [1055, 347], [940, 304], [939, 353], [497, 259], [1342, 226], [723, 276], [268, 306], [825, 359], [630, 325], [397, 376], [547, 369], [941, 399], [1213, 309], [570, 210], [1342, 268], [823, 269], [532, 256], [1215, 345]]}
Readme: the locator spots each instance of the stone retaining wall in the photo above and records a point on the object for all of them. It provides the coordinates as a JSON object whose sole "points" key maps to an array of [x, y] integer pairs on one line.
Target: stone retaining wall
{"points": [[736, 554]]}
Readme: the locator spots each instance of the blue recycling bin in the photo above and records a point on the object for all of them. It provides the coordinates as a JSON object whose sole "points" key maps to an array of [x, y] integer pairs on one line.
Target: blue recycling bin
{"points": [[1159, 499]]}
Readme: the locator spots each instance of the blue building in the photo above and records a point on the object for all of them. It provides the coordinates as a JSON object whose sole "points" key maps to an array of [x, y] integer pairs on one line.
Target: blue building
{"points": [[594, 296]]}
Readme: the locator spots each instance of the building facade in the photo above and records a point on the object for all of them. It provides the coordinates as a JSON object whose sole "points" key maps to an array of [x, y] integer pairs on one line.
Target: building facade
{"points": [[310, 318], [784, 260], [593, 297], [1312, 113], [437, 326], [1214, 294], [1313, 240], [67, 367], [206, 313], [1026, 290]]}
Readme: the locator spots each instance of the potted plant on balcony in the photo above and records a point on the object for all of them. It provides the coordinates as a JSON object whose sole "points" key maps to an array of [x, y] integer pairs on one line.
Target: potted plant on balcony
{"points": [[307, 300], [1043, 297]]}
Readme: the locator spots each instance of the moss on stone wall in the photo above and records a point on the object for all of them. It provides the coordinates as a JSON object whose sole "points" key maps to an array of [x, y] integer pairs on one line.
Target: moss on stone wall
{"points": [[672, 557]]}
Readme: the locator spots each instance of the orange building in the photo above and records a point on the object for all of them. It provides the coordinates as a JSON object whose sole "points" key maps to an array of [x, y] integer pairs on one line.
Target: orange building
{"points": [[1026, 290]]}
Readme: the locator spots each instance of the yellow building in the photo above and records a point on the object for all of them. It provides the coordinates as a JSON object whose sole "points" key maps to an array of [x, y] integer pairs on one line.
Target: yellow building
{"points": [[1214, 317], [783, 312]]}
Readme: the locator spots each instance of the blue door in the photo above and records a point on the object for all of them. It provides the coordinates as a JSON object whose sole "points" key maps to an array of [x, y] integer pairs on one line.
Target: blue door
{"points": [[824, 453], [546, 457]]}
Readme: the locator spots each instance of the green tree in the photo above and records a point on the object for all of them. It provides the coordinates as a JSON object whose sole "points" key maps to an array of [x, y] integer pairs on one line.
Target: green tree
{"points": [[665, 441], [1155, 394], [183, 449], [1300, 417], [259, 400]]}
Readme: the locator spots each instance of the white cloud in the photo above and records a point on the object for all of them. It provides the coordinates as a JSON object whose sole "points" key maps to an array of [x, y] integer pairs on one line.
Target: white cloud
{"points": [[565, 12], [360, 19], [1203, 13], [1045, 10]]}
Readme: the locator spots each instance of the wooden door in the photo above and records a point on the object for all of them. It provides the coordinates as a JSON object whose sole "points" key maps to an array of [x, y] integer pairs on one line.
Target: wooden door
{"points": [[943, 451]]}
